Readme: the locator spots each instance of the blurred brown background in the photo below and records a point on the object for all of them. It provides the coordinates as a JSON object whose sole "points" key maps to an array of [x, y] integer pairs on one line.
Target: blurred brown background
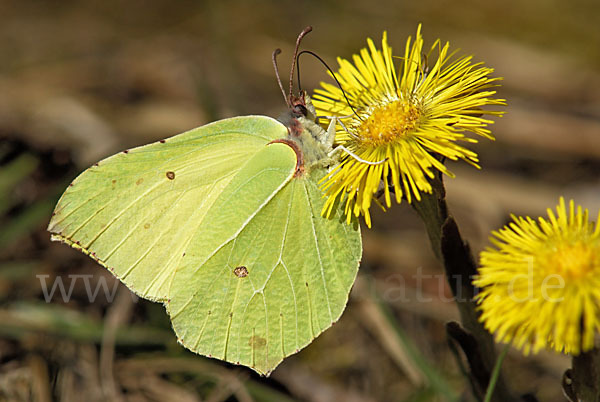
{"points": [[82, 80]]}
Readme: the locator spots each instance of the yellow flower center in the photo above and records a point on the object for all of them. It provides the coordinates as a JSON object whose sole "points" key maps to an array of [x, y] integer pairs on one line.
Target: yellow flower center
{"points": [[388, 122], [575, 261]]}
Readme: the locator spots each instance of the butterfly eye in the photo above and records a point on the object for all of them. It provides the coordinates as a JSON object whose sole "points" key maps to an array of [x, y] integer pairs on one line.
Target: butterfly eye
{"points": [[300, 109]]}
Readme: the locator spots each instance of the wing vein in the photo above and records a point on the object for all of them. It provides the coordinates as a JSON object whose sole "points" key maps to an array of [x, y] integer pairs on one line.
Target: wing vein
{"points": [[114, 219], [62, 218], [284, 265], [249, 219], [266, 330], [314, 233], [294, 295]]}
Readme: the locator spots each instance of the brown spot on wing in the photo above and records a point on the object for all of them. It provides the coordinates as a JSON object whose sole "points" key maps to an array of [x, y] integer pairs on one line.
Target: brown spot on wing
{"points": [[257, 342], [139, 181], [170, 175], [241, 271]]}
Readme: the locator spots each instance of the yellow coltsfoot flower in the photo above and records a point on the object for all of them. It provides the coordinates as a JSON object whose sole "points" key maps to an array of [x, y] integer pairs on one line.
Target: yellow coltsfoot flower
{"points": [[541, 284], [409, 119]]}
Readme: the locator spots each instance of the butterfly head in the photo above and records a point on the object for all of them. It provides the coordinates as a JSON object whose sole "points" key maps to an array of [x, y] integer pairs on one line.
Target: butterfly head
{"points": [[310, 142], [301, 106]]}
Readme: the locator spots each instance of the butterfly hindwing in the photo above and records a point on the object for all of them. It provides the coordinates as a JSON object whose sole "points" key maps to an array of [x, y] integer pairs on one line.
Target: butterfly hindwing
{"points": [[273, 287]]}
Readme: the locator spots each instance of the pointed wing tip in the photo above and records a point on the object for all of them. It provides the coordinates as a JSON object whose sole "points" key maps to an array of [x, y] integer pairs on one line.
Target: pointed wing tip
{"points": [[263, 371], [56, 236]]}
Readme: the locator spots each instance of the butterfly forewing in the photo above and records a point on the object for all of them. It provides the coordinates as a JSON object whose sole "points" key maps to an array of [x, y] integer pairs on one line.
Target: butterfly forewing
{"points": [[136, 212]]}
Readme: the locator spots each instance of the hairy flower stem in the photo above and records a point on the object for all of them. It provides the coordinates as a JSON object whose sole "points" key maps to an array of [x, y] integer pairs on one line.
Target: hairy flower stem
{"points": [[455, 254]]}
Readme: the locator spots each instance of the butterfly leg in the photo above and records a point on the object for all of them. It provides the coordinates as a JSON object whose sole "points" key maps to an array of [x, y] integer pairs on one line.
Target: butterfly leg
{"points": [[341, 148], [330, 137], [338, 120]]}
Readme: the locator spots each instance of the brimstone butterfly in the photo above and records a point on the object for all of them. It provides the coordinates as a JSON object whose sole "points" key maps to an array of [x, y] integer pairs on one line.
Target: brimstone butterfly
{"points": [[223, 225]]}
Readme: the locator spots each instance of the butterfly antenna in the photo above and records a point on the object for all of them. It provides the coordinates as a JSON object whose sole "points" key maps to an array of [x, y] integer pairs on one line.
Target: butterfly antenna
{"points": [[302, 35], [332, 74], [274, 57]]}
